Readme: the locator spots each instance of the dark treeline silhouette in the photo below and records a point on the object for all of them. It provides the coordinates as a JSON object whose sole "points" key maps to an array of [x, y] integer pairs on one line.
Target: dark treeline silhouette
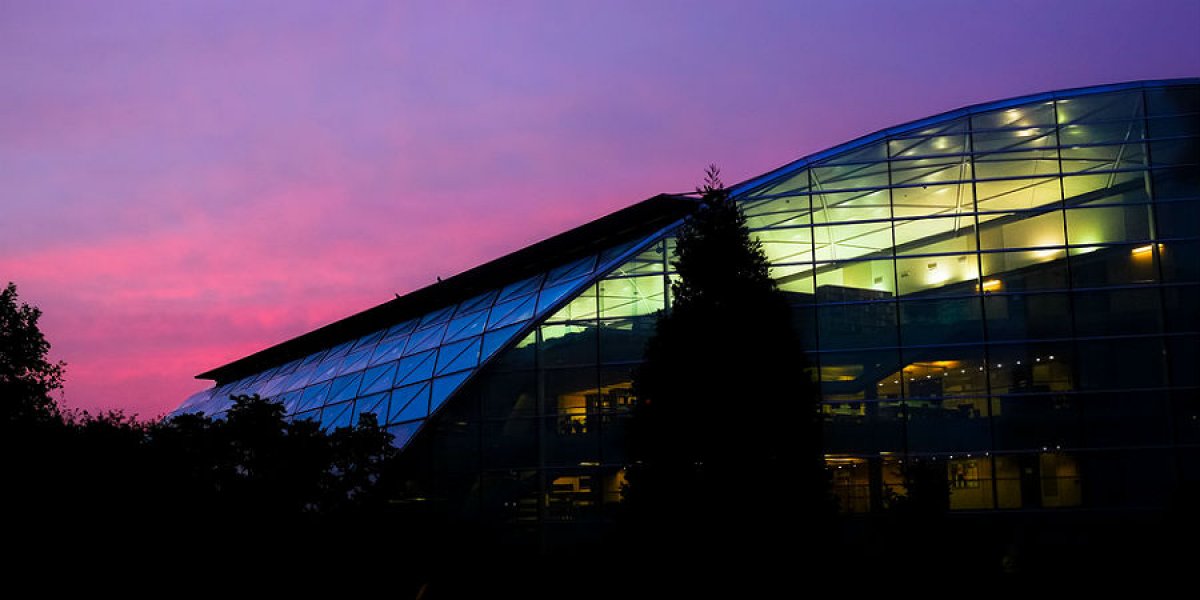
{"points": [[192, 491]]}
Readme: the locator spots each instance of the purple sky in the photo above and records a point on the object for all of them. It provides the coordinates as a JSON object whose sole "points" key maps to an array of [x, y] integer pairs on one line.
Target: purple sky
{"points": [[185, 183]]}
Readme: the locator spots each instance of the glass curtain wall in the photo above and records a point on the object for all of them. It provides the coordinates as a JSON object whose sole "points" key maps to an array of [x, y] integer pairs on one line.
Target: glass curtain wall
{"points": [[1010, 293]]}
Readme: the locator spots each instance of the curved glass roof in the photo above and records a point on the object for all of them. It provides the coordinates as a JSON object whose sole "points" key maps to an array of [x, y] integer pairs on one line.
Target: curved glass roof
{"points": [[867, 148]]}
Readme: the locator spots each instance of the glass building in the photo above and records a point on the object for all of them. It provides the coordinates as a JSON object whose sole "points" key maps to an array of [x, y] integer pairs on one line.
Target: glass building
{"points": [[1010, 291]]}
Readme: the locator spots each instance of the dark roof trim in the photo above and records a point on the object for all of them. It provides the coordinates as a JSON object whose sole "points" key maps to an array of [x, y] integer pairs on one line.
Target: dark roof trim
{"points": [[629, 223], [786, 170]]}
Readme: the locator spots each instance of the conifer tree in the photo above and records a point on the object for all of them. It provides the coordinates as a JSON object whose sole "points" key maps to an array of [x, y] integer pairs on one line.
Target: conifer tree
{"points": [[724, 437]]}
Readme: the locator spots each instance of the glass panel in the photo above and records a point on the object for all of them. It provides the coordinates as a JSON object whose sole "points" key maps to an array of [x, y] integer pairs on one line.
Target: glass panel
{"points": [[1176, 183], [948, 275], [550, 295], [1082, 159], [520, 356], [1121, 420], [458, 356], [1023, 230], [1025, 138], [1180, 260], [936, 236], [1028, 115], [931, 373], [1009, 165], [415, 368], [344, 388], [1098, 225], [403, 433], [1181, 304], [1041, 421], [465, 327], [356, 361], [1120, 364], [1030, 368], [851, 177], [631, 296], [376, 405], [1177, 219], [613, 253], [624, 340], [388, 351], [1106, 188], [874, 151], [313, 396], [425, 339], [584, 306], [787, 245], [443, 387], [1093, 266], [568, 344], [337, 415], [520, 288], [495, 340], [855, 281], [943, 321], [368, 340], [1100, 107], [1024, 270], [795, 281], [378, 379], [1022, 317], [861, 375], [308, 362], [1176, 152], [1117, 312], [511, 312], [436, 317], [860, 427], [650, 260], [298, 380], [410, 403], [1018, 194], [842, 242], [506, 395], [400, 330], [477, 303], [792, 184], [789, 211], [290, 402], [932, 200], [861, 205], [1173, 100], [950, 143], [327, 369], [570, 271], [863, 325]]}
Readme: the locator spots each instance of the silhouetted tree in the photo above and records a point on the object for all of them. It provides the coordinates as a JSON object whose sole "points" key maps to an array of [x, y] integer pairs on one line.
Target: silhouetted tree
{"points": [[26, 377], [724, 435]]}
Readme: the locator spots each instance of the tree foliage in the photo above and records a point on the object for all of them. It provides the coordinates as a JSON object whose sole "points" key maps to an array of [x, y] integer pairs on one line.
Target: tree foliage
{"points": [[724, 432], [27, 378]]}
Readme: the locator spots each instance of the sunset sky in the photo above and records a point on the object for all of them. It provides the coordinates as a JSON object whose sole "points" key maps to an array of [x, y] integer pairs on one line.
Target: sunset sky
{"points": [[188, 182]]}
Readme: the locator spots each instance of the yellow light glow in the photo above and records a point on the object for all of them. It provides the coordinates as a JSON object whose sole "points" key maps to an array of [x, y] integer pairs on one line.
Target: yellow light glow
{"points": [[991, 285], [1026, 132], [1145, 250], [1046, 254]]}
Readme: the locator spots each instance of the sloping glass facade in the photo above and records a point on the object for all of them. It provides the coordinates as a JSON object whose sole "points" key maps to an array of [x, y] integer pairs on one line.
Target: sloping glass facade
{"points": [[1008, 292], [405, 372]]}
